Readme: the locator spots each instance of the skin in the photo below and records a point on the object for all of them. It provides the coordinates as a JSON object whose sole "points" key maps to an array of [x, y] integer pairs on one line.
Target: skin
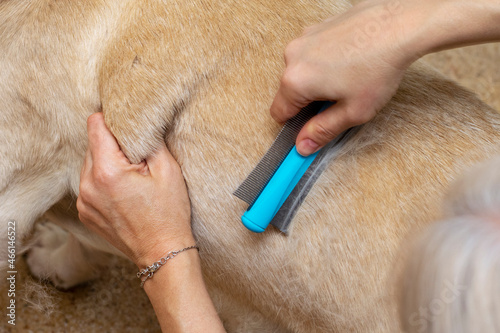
{"points": [[144, 210], [358, 59]]}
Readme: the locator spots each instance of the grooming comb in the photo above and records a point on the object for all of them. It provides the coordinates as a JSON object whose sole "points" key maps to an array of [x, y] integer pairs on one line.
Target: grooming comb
{"points": [[271, 188]]}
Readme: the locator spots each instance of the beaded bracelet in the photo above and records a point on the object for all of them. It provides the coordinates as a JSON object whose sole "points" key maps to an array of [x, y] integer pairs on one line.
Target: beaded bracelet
{"points": [[148, 272]]}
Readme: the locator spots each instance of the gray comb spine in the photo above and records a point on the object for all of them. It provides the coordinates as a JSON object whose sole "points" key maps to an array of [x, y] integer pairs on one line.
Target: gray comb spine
{"points": [[287, 211], [257, 180]]}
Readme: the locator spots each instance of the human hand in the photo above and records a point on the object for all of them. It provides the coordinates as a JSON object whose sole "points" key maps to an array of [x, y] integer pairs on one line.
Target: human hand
{"points": [[142, 209], [355, 59]]}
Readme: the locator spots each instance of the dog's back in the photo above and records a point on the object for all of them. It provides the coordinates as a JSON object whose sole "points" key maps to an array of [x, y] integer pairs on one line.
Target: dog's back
{"points": [[333, 271], [203, 74]]}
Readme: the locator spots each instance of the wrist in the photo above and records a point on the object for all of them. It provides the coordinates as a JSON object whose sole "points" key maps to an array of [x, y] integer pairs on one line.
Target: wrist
{"points": [[181, 267], [148, 272], [176, 289], [156, 251], [419, 30], [180, 298], [432, 26]]}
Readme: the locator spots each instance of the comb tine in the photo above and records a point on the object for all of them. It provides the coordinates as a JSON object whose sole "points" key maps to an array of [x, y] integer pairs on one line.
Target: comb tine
{"points": [[287, 211], [255, 182]]}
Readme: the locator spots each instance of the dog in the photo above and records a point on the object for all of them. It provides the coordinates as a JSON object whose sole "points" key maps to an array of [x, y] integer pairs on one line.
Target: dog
{"points": [[449, 283], [201, 75]]}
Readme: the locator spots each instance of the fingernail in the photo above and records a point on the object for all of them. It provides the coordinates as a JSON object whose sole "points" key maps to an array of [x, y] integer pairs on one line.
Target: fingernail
{"points": [[307, 147]]}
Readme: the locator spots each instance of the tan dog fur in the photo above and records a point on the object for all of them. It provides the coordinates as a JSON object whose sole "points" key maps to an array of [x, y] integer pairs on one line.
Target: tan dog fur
{"points": [[202, 74]]}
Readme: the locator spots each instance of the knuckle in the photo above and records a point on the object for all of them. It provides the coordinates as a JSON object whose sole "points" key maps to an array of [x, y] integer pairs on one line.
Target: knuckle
{"points": [[294, 81], [322, 132], [289, 80], [80, 206], [104, 175], [81, 217], [83, 195], [363, 117], [286, 112], [355, 117], [292, 49], [79, 203], [84, 218]]}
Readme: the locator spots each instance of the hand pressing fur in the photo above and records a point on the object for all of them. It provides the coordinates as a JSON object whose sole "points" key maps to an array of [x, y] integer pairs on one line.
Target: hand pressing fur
{"points": [[358, 58], [142, 209], [337, 61]]}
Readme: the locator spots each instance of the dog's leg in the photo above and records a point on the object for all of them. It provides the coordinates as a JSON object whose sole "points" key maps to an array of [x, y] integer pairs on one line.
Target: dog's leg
{"points": [[58, 256], [155, 67], [22, 202], [37, 168], [48, 88], [70, 256], [141, 88]]}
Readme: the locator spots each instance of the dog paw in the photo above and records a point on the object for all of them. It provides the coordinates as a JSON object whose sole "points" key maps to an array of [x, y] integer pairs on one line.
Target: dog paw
{"points": [[57, 256]]}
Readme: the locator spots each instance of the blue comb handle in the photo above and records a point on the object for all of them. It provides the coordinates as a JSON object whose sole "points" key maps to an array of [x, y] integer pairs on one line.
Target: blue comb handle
{"points": [[260, 214]]}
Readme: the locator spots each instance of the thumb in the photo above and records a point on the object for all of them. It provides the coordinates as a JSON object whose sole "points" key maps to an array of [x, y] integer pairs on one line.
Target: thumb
{"points": [[322, 128], [287, 104], [161, 160]]}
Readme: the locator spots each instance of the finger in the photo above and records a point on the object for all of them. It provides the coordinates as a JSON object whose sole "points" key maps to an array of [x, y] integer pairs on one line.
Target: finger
{"points": [[322, 128], [86, 167], [162, 160], [87, 162], [89, 216], [282, 109], [102, 143], [289, 99]]}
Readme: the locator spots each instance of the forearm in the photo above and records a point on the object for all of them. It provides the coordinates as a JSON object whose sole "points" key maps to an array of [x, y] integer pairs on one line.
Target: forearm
{"points": [[435, 25], [179, 296], [358, 58], [144, 211]]}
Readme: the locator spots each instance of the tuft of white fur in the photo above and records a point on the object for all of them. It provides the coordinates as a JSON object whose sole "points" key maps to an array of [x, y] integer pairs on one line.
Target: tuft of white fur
{"points": [[451, 281], [478, 192], [40, 297]]}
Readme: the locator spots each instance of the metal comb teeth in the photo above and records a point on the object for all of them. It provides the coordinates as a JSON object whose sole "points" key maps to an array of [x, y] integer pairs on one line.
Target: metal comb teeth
{"points": [[253, 185], [287, 211]]}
